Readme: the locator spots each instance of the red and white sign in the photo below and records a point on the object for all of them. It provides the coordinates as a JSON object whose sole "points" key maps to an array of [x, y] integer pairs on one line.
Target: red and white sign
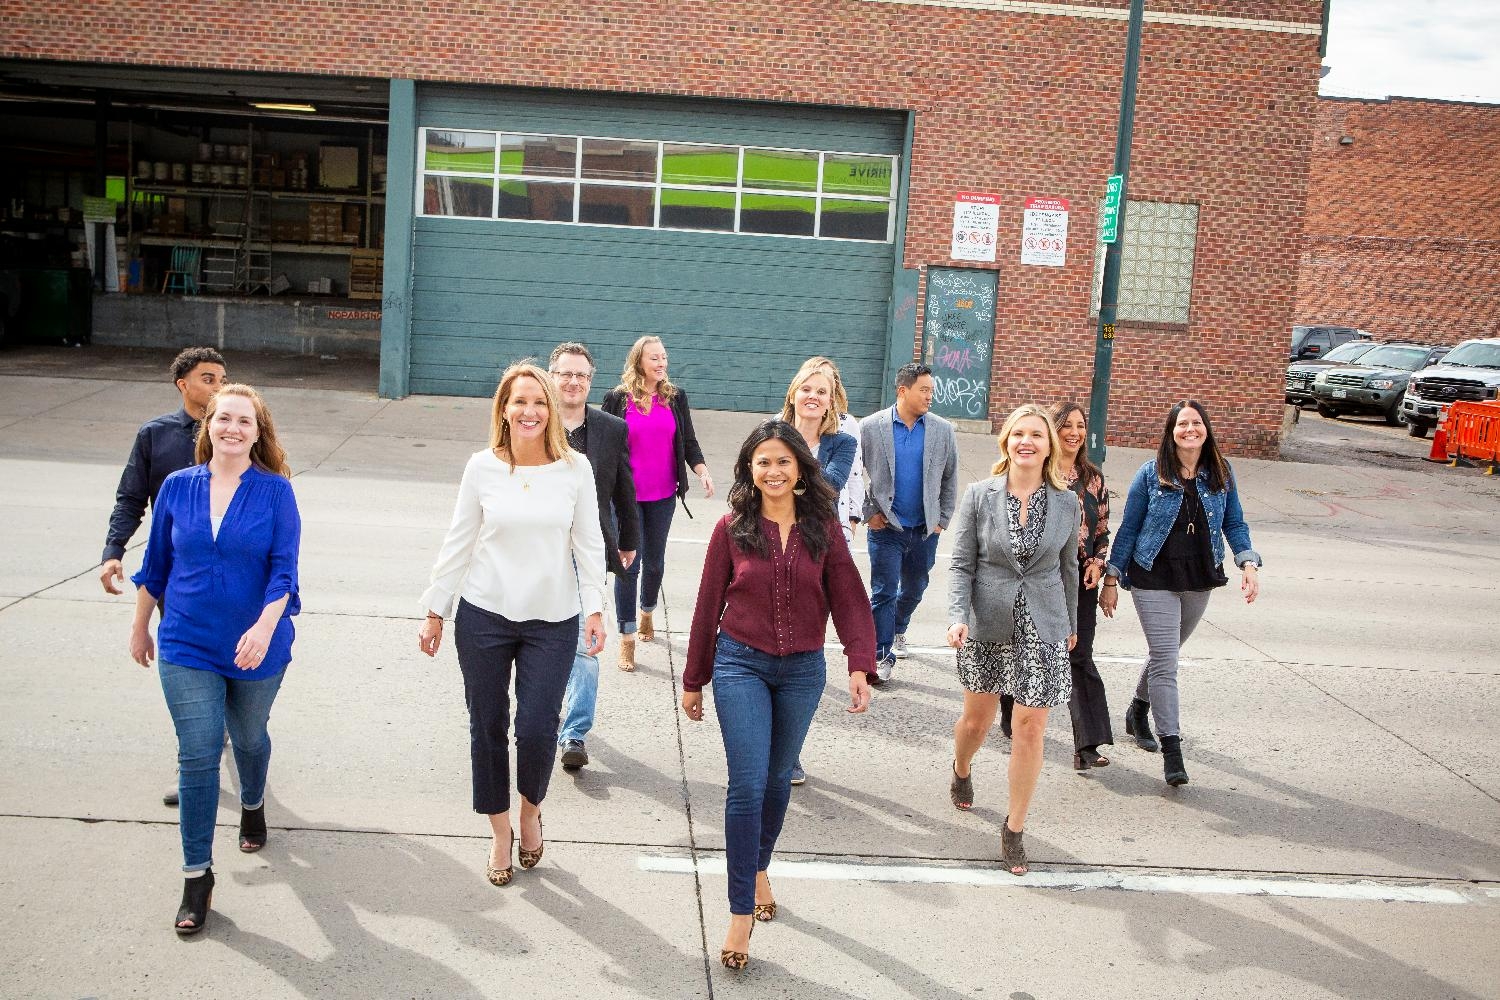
{"points": [[1044, 232], [976, 221]]}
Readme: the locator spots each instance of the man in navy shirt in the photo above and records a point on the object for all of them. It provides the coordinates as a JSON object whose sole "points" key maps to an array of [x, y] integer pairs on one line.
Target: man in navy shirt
{"points": [[911, 466], [162, 446]]}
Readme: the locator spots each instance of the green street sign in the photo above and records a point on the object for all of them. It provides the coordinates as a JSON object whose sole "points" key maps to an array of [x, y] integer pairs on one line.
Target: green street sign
{"points": [[1110, 224]]}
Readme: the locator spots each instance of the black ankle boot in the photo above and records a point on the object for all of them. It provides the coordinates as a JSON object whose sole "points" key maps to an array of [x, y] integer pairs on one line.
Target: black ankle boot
{"points": [[1171, 760], [1138, 724], [252, 829], [197, 896]]}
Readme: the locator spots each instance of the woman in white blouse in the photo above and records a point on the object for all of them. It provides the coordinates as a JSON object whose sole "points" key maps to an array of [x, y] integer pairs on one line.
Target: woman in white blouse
{"points": [[523, 558]]}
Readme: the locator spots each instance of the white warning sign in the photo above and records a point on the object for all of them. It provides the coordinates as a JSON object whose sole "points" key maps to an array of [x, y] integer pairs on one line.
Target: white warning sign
{"points": [[976, 221], [1044, 232]]}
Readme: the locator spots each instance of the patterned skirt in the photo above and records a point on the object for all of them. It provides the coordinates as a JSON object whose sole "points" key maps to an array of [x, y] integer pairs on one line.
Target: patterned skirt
{"points": [[1034, 673]]}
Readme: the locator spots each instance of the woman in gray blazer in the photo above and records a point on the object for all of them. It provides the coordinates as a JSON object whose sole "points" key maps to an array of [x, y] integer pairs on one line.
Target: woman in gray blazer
{"points": [[1013, 602]]}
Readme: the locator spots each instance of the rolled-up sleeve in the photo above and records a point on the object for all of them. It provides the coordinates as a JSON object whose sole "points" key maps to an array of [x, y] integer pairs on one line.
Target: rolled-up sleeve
{"points": [[286, 543], [1236, 529]]}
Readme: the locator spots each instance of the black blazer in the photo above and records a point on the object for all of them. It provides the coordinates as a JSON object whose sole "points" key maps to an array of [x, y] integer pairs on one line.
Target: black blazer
{"points": [[608, 450], [684, 442]]}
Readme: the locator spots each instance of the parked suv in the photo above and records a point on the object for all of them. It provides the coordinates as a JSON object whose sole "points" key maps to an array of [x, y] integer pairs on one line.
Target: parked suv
{"points": [[1376, 384], [1316, 341], [1299, 374], [1471, 371]]}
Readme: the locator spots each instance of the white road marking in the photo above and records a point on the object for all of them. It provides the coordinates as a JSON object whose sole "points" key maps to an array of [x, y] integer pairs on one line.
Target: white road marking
{"points": [[1220, 885]]}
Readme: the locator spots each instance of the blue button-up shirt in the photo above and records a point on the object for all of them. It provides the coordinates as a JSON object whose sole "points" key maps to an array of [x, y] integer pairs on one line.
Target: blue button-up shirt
{"points": [[909, 504]]}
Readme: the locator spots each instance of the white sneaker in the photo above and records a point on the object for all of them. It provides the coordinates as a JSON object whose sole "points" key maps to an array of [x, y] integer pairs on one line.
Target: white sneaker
{"points": [[898, 646], [884, 668]]}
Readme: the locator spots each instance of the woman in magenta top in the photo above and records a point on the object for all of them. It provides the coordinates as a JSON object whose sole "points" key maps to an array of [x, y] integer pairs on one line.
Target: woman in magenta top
{"points": [[662, 449], [777, 568]]}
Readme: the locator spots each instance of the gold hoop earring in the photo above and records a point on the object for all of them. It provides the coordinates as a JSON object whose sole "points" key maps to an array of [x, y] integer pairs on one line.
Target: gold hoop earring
{"points": [[800, 488]]}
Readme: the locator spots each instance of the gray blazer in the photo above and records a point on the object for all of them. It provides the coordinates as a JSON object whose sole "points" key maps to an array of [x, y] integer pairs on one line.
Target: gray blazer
{"points": [[985, 578], [877, 443]]}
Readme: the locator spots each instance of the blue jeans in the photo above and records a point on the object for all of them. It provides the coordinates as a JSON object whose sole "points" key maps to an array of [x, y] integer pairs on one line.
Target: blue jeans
{"points": [[900, 560], [582, 694], [203, 703], [489, 647], [649, 566], [765, 705]]}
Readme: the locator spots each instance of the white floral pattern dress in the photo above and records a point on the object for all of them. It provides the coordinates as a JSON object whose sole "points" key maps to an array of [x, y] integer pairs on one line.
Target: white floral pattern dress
{"points": [[1034, 673]]}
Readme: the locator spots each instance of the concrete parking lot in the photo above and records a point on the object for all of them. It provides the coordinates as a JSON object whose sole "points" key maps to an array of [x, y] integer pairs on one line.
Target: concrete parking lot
{"points": [[1340, 836]]}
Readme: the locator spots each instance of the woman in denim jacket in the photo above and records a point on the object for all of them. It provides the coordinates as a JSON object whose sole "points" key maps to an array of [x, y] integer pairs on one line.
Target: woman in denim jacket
{"points": [[1170, 551]]}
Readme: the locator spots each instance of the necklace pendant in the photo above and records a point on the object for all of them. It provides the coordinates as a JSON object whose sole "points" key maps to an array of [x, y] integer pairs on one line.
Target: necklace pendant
{"points": [[526, 487]]}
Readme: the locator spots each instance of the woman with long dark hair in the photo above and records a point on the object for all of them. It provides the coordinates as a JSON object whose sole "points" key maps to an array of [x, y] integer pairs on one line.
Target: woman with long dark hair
{"points": [[1169, 553], [1013, 602], [522, 562], [222, 562], [663, 447], [776, 570]]}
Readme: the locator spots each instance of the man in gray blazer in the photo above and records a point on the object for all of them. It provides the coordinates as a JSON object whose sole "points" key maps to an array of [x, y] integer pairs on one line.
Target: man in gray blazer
{"points": [[604, 441], [911, 468]]}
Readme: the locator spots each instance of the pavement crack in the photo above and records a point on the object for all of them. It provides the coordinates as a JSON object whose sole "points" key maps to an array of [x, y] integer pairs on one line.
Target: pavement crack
{"points": [[347, 438]]}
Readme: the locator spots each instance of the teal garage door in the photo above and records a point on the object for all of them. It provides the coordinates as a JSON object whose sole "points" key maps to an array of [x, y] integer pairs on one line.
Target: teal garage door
{"points": [[747, 236]]}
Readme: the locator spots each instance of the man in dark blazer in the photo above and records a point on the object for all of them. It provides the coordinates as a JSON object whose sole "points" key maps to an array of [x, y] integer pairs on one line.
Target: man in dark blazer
{"points": [[604, 441], [911, 468]]}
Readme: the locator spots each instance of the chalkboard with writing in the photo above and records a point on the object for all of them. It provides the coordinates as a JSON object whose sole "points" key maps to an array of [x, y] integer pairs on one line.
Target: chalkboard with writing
{"points": [[958, 331]]}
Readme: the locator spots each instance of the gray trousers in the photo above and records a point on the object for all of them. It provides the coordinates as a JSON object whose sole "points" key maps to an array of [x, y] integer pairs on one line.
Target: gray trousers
{"points": [[1167, 619]]}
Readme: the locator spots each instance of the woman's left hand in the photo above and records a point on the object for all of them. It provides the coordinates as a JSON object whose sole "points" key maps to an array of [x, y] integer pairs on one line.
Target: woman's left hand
{"points": [[1072, 641], [859, 693], [593, 634], [1092, 573], [692, 705], [1250, 582], [250, 651]]}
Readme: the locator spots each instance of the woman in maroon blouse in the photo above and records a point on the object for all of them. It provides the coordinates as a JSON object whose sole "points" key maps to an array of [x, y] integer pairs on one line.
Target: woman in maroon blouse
{"points": [[777, 568]]}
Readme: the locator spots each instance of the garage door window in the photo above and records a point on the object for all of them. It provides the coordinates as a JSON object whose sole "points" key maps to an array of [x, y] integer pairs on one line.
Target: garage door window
{"points": [[662, 185]]}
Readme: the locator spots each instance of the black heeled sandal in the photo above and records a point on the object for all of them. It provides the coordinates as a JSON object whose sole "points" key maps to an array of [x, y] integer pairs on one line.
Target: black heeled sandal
{"points": [[252, 829], [961, 791], [1013, 849], [197, 897]]}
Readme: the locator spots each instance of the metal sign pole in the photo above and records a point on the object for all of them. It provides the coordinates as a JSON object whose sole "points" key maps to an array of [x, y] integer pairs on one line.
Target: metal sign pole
{"points": [[1115, 201]]}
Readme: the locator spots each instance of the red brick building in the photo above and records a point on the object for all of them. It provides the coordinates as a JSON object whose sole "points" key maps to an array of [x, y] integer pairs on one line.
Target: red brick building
{"points": [[1403, 219], [1003, 97]]}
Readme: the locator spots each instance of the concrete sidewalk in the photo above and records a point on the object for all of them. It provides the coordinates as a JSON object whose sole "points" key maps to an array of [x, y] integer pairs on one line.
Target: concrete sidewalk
{"points": [[1339, 838]]}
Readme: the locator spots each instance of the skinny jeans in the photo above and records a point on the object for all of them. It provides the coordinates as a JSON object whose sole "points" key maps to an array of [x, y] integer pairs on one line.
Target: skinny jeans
{"points": [[1167, 618], [649, 566], [765, 705], [203, 703]]}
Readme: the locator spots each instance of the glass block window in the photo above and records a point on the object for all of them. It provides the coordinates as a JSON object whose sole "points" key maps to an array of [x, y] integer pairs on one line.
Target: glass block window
{"points": [[648, 184], [1156, 262]]}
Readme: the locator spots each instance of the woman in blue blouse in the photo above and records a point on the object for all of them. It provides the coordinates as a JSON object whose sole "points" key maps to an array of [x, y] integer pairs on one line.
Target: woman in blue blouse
{"points": [[222, 563], [1169, 552]]}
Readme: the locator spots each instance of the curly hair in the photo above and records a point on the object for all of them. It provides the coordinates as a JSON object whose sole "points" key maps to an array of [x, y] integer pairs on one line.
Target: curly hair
{"points": [[816, 507], [266, 452], [191, 357], [633, 380]]}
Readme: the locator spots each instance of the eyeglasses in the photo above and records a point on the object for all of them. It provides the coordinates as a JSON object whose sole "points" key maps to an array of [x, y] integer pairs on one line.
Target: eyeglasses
{"points": [[572, 376]]}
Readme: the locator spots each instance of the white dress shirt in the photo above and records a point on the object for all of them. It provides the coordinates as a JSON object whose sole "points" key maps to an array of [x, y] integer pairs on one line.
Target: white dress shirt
{"points": [[524, 543]]}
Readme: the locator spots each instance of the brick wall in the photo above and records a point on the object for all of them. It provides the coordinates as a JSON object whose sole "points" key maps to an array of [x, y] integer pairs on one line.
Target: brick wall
{"points": [[1012, 103], [1403, 221]]}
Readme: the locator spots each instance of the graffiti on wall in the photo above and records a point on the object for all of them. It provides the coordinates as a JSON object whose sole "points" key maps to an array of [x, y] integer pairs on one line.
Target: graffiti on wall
{"points": [[958, 329]]}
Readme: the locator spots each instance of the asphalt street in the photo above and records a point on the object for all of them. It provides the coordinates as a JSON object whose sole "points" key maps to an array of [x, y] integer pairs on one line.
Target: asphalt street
{"points": [[1340, 836]]}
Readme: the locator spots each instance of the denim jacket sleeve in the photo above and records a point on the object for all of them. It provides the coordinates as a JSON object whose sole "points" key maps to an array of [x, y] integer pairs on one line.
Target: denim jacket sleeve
{"points": [[1235, 528], [1137, 501]]}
